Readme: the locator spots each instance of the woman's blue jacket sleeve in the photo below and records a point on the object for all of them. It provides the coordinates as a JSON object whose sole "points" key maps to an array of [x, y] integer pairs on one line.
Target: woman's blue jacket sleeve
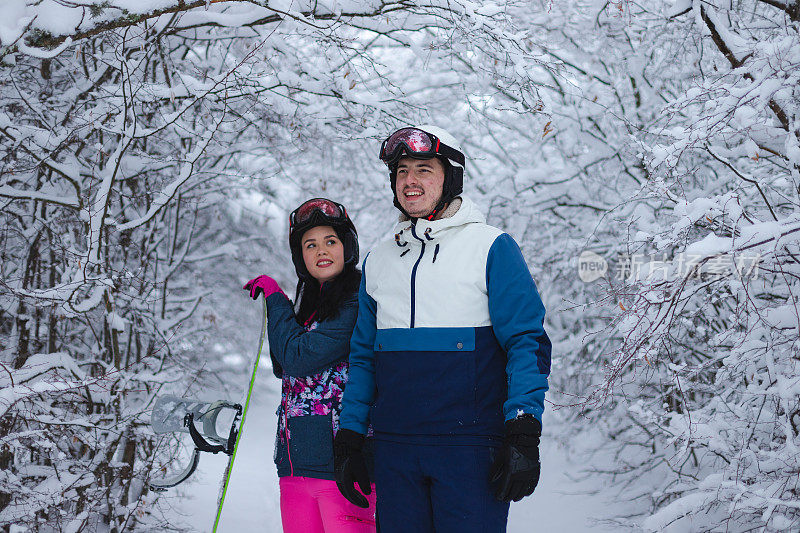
{"points": [[360, 391], [302, 353]]}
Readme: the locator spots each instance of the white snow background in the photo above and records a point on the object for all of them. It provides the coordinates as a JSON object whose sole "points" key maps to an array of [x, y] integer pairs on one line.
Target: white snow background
{"points": [[148, 160]]}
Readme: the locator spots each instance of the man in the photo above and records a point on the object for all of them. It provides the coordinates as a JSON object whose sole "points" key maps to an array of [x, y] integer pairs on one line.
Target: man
{"points": [[448, 360]]}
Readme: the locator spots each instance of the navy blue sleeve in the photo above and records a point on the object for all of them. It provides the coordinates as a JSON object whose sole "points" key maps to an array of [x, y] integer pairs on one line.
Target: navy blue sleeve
{"points": [[517, 314], [359, 392], [277, 371], [302, 353]]}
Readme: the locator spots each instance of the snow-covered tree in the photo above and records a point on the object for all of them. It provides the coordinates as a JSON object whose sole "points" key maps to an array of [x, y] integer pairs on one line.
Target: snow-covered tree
{"points": [[689, 364], [149, 155]]}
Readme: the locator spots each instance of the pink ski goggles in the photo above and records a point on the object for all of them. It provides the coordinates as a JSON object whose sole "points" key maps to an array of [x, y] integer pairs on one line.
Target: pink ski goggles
{"points": [[418, 144], [330, 209]]}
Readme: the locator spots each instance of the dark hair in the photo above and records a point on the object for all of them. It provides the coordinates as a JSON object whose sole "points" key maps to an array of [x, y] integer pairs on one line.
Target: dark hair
{"points": [[328, 302]]}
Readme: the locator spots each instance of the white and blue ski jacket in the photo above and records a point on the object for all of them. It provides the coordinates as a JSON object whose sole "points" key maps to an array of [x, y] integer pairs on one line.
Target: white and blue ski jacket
{"points": [[449, 341]]}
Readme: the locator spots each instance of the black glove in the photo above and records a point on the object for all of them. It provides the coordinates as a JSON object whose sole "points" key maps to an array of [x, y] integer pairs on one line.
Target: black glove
{"points": [[351, 467], [516, 469]]}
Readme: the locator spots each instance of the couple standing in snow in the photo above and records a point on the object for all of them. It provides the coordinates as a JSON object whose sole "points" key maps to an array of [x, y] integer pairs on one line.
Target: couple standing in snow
{"points": [[441, 344]]}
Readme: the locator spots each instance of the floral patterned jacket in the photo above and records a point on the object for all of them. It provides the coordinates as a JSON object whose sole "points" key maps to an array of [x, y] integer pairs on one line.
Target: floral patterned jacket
{"points": [[311, 361]]}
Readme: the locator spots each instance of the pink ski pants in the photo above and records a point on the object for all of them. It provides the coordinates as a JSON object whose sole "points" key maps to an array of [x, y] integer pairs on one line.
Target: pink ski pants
{"points": [[311, 505]]}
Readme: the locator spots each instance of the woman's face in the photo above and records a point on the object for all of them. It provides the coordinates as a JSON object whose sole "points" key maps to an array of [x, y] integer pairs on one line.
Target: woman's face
{"points": [[323, 253]]}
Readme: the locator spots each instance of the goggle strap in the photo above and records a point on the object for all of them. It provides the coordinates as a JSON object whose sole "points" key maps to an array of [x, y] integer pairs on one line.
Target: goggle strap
{"points": [[450, 153]]}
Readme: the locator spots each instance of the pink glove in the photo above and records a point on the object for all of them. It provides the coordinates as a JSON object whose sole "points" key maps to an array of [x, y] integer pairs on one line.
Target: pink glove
{"points": [[264, 284]]}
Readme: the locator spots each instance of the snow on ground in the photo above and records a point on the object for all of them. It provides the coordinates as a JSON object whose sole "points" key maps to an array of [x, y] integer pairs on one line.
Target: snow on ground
{"points": [[564, 501], [560, 504]]}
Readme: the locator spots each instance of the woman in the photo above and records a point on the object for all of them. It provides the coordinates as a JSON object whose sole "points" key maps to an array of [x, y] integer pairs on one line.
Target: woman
{"points": [[309, 348]]}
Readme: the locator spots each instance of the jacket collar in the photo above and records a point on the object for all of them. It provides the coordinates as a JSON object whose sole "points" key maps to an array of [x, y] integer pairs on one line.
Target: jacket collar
{"points": [[431, 230]]}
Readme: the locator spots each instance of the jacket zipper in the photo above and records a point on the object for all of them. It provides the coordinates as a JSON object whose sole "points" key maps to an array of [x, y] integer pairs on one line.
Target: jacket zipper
{"points": [[414, 273], [307, 323], [286, 434]]}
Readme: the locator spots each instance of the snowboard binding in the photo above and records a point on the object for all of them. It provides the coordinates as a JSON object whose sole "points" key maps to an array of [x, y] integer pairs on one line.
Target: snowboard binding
{"points": [[172, 414]]}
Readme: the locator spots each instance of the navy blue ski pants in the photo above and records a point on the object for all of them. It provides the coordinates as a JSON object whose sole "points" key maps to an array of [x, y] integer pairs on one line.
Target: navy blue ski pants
{"points": [[439, 488]]}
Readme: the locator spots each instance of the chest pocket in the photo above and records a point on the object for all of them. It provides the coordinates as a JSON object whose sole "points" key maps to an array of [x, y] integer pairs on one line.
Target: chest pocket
{"points": [[425, 340]]}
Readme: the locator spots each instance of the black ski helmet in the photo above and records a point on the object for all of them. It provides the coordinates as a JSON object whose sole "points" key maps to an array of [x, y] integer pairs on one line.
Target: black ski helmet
{"points": [[452, 159], [321, 212]]}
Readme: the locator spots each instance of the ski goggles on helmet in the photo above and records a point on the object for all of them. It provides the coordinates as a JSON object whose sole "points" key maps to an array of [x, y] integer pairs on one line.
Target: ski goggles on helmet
{"points": [[330, 211], [418, 144]]}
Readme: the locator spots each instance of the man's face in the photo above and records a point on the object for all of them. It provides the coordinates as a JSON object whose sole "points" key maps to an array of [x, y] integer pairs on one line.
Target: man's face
{"points": [[419, 185]]}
